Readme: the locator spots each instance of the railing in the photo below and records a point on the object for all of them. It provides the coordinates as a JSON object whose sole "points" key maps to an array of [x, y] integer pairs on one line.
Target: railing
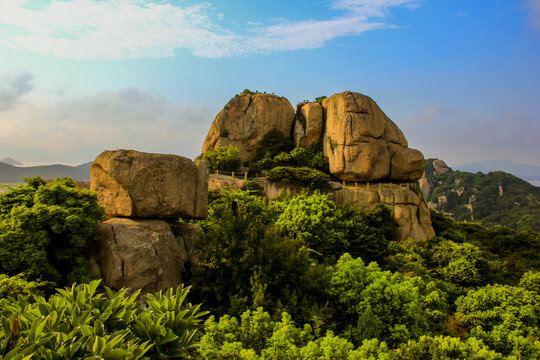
{"points": [[356, 184]]}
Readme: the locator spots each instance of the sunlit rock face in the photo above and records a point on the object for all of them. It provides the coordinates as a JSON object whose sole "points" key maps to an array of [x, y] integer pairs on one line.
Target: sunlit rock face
{"points": [[363, 144], [246, 119]]}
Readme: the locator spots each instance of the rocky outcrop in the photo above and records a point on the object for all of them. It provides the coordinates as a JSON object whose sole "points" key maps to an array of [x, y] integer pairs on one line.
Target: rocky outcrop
{"points": [[246, 119], [440, 167], [308, 124], [136, 184], [140, 254], [411, 213], [363, 144]]}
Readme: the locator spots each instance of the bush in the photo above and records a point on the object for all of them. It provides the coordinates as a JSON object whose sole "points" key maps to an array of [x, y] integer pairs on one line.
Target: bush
{"points": [[252, 187], [303, 176], [79, 322], [224, 158], [44, 230]]}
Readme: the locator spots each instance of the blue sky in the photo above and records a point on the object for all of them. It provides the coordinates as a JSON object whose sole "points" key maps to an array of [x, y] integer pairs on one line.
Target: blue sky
{"points": [[460, 78]]}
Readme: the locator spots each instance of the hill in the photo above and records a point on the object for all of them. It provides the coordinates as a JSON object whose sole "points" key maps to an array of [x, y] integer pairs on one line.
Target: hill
{"points": [[14, 174], [493, 198], [10, 161], [523, 171]]}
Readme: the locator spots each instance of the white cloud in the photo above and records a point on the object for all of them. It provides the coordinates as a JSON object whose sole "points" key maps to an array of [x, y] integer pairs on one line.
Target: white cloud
{"points": [[12, 87], [120, 29], [87, 125]]}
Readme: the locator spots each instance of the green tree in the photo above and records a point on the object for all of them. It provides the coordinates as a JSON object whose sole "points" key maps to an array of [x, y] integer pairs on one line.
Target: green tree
{"points": [[224, 158], [44, 230], [372, 303], [504, 317]]}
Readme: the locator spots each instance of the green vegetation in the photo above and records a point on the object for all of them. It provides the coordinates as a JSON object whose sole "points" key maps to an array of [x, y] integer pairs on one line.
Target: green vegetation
{"points": [[298, 278], [79, 322], [320, 99], [303, 176], [44, 229], [224, 158], [496, 198]]}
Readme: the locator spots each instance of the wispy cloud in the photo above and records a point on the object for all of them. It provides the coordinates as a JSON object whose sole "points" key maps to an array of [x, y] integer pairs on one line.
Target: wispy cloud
{"points": [[121, 29], [12, 87], [87, 125]]}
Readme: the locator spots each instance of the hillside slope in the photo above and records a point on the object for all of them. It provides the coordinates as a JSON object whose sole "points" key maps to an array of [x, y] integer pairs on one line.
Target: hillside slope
{"points": [[14, 174], [493, 198]]}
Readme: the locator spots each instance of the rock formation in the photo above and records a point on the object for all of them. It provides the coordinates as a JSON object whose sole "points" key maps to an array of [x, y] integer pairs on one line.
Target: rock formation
{"points": [[143, 251], [411, 213], [137, 184], [245, 120], [363, 144], [308, 124]]}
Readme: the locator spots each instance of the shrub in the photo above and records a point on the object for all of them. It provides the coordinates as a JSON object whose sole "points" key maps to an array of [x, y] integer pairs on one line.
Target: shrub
{"points": [[44, 230], [320, 99], [224, 158], [303, 176], [252, 187]]}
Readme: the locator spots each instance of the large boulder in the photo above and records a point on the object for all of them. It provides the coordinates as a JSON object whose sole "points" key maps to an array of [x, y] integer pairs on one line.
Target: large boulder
{"points": [[138, 254], [246, 119], [136, 184], [363, 144], [308, 125]]}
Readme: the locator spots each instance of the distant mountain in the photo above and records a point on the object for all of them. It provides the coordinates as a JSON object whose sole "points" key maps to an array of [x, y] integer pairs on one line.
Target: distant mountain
{"points": [[10, 161], [14, 174], [493, 198], [524, 171]]}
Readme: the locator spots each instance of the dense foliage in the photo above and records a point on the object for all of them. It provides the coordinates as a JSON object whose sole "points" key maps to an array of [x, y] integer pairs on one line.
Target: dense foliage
{"points": [[298, 278], [79, 322], [224, 158], [44, 229], [496, 198]]}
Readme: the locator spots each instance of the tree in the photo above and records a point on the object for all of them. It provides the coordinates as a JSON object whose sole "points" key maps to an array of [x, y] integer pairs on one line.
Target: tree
{"points": [[224, 158], [44, 230]]}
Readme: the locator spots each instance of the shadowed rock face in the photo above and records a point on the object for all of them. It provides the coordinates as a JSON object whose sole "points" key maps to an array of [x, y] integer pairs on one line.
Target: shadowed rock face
{"points": [[245, 120], [136, 184], [310, 130], [142, 254], [363, 144]]}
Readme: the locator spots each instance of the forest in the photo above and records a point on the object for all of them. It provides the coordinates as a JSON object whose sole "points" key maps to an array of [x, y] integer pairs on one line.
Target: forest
{"points": [[297, 278]]}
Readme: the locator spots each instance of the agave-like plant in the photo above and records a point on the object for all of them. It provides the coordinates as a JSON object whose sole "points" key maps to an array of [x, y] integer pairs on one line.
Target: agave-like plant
{"points": [[79, 322]]}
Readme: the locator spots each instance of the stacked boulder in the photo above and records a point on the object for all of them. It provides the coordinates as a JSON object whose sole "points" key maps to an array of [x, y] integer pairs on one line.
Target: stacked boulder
{"points": [[142, 245], [361, 142]]}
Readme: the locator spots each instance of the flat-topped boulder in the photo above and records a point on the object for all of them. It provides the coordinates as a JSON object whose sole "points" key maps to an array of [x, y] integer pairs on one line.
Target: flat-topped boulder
{"points": [[363, 144], [246, 119], [144, 185]]}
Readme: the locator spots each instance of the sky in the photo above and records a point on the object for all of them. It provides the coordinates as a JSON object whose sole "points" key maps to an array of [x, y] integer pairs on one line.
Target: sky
{"points": [[461, 78]]}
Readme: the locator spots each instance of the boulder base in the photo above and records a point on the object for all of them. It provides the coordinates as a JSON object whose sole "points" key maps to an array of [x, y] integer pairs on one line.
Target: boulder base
{"points": [[138, 254]]}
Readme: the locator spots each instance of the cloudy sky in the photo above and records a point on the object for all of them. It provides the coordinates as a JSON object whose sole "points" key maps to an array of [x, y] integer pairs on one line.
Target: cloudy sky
{"points": [[461, 78]]}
